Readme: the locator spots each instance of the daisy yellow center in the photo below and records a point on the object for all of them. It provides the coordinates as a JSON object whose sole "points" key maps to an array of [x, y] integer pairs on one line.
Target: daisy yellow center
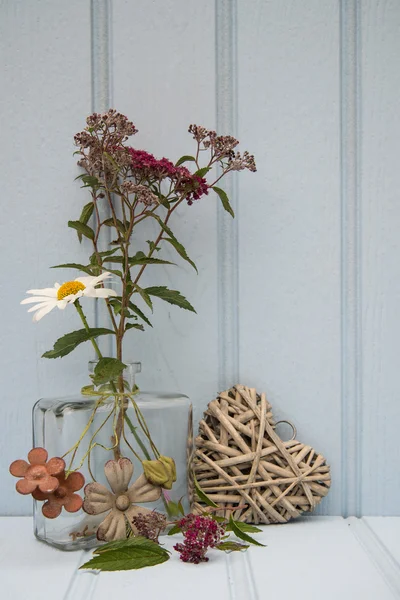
{"points": [[69, 287]]}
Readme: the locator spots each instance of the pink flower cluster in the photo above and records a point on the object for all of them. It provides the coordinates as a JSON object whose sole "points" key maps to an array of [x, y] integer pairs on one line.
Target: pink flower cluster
{"points": [[144, 163], [200, 534]]}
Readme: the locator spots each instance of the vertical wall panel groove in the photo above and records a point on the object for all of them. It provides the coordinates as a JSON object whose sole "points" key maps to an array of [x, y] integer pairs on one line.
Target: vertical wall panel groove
{"points": [[101, 86], [101, 90], [351, 389], [226, 123]]}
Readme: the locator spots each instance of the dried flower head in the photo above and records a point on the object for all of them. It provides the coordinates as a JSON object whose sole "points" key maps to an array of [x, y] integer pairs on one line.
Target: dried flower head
{"points": [[101, 143], [192, 187], [150, 525], [199, 133], [239, 162], [143, 193], [200, 534]]}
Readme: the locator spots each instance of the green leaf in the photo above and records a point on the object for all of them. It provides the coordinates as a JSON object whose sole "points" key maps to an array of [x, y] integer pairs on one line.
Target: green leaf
{"points": [[115, 272], [120, 226], [115, 259], [148, 261], [180, 250], [244, 527], [91, 181], [137, 311], [144, 295], [134, 326], [185, 158], [172, 239], [241, 534], [232, 547], [67, 343], [175, 509], [88, 390], [106, 370], [202, 496], [85, 269], [219, 520], [202, 172], [133, 261], [132, 553], [224, 199], [82, 228], [153, 247], [174, 529], [86, 213], [106, 253], [171, 296]]}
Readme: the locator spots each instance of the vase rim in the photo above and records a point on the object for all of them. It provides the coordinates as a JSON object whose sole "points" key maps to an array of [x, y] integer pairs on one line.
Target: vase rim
{"points": [[132, 365]]}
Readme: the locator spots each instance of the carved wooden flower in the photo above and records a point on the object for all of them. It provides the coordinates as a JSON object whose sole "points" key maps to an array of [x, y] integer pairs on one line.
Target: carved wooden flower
{"points": [[120, 503], [38, 474], [63, 496]]}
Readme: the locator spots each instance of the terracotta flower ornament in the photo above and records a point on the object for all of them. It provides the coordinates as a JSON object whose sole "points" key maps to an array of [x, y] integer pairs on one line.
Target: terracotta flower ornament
{"points": [[46, 480], [63, 496], [120, 503], [39, 474]]}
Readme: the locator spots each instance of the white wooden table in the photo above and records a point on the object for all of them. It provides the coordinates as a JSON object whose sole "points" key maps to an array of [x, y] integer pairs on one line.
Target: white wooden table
{"points": [[315, 558]]}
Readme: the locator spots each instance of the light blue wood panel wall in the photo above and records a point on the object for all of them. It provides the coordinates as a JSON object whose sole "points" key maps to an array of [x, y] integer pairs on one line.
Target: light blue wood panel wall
{"points": [[45, 93], [299, 295]]}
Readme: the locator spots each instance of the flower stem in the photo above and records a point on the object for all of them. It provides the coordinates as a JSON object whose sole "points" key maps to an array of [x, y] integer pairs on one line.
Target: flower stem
{"points": [[86, 325]]}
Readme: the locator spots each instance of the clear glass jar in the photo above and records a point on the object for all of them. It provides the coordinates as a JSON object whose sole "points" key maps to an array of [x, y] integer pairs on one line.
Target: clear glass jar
{"points": [[58, 424]]}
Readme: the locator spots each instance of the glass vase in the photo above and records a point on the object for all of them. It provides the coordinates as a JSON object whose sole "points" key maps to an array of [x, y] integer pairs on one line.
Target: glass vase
{"points": [[82, 429]]}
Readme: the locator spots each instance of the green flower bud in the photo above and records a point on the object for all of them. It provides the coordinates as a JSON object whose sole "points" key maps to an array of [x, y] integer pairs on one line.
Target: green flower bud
{"points": [[169, 465], [155, 472]]}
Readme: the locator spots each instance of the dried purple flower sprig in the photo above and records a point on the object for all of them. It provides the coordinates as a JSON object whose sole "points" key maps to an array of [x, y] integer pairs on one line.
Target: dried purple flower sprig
{"points": [[135, 186], [127, 187]]}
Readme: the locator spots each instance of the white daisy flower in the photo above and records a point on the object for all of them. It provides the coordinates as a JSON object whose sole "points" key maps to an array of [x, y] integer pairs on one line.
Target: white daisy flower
{"points": [[68, 292]]}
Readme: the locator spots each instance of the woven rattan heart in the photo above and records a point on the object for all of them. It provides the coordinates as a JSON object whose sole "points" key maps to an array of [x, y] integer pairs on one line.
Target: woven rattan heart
{"points": [[241, 463]]}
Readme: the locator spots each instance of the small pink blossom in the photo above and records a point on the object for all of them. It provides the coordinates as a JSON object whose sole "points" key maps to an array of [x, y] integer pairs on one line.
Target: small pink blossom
{"points": [[200, 534]]}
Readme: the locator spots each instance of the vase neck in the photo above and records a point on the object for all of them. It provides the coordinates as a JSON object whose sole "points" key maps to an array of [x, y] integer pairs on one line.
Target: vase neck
{"points": [[129, 373]]}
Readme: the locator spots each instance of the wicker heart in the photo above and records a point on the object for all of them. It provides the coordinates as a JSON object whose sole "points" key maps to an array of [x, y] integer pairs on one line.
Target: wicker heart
{"points": [[241, 463]]}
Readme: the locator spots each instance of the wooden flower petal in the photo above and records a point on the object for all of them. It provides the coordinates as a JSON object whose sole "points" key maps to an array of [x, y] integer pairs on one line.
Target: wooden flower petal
{"points": [[112, 528], [118, 473], [55, 466], [37, 456], [75, 481], [48, 484], [143, 491], [51, 510], [18, 468], [73, 503], [38, 495], [98, 499], [23, 486]]}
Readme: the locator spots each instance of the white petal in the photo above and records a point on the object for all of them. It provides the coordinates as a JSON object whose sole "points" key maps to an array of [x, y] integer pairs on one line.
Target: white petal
{"points": [[72, 297], [61, 304], [36, 299], [51, 292], [100, 292], [38, 306], [86, 280], [42, 312], [89, 280]]}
